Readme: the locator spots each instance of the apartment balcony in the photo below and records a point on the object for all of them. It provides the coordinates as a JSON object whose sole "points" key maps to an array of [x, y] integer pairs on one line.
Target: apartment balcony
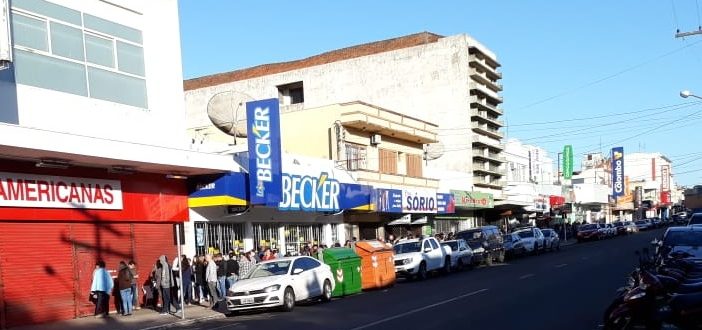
{"points": [[486, 64], [482, 89], [491, 156], [482, 105], [483, 116], [486, 130], [488, 168], [371, 177], [488, 142], [366, 117], [480, 181], [482, 77]]}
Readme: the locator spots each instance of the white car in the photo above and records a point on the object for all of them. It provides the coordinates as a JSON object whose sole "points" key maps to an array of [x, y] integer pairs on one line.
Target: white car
{"points": [[461, 253], [417, 257], [532, 239], [281, 283]]}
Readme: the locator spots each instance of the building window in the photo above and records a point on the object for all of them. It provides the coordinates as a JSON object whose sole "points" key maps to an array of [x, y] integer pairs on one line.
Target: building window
{"points": [[414, 166], [65, 50], [291, 93], [387, 162], [355, 157]]}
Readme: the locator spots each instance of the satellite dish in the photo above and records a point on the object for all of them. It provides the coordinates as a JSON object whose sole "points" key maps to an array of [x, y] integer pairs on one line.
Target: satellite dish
{"points": [[226, 110], [434, 151]]}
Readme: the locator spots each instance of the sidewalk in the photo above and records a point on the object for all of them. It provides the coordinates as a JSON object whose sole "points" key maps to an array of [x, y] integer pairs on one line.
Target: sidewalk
{"points": [[141, 319]]}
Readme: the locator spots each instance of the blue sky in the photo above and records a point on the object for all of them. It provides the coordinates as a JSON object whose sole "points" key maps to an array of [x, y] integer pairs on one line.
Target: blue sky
{"points": [[561, 60]]}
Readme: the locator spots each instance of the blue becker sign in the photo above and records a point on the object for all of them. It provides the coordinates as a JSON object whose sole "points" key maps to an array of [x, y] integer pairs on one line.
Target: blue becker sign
{"points": [[265, 168]]}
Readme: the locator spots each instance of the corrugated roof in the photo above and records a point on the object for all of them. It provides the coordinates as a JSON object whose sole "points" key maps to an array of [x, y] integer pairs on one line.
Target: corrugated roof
{"points": [[324, 58]]}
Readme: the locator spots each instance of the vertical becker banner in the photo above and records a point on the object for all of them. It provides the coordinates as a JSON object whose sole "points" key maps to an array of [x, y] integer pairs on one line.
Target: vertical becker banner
{"points": [[265, 168]]}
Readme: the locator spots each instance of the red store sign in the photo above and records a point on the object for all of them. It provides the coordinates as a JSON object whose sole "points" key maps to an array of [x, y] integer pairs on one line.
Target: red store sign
{"points": [[45, 191]]}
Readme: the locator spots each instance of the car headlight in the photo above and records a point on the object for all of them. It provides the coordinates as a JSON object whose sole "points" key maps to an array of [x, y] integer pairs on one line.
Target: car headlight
{"points": [[272, 288], [637, 296], [407, 261]]}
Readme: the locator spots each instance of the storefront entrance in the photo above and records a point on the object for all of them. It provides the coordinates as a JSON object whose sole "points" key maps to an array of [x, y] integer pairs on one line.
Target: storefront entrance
{"points": [[218, 237]]}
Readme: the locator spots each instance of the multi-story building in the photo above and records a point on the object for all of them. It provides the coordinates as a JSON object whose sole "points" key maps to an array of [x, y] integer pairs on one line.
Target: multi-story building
{"points": [[653, 174], [591, 190], [92, 146], [450, 81]]}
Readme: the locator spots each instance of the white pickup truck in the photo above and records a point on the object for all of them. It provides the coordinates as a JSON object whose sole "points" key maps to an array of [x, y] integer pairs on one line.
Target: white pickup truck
{"points": [[417, 257]]}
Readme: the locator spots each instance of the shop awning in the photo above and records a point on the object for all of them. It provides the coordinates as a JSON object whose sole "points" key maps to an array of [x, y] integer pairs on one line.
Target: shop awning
{"points": [[218, 190], [404, 220]]}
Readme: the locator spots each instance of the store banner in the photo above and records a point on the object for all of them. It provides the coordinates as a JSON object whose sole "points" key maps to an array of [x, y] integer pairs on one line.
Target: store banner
{"points": [[568, 162], [617, 172], [263, 136], [665, 197], [473, 199], [218, 190], [419, 201], [388, 200], [665, 178], [48, 191], [323, 193], [446, 204]]}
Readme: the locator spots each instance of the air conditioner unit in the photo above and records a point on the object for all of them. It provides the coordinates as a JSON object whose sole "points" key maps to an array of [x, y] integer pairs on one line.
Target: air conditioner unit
{"points": [[376, 139]]}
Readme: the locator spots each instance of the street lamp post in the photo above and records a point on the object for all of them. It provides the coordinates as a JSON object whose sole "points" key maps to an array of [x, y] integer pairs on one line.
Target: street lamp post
{"points": [[685, 94]]}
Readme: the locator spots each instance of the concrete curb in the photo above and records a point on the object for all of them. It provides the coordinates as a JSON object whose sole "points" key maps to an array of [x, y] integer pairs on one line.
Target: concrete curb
{"points": [[186, 322]]}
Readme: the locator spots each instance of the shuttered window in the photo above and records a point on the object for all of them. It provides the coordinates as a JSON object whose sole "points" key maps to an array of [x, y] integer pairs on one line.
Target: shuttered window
{"points": [[387, 162], [414, 166]]}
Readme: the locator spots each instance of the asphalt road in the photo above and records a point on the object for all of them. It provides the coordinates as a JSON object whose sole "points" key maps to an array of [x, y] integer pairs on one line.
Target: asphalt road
{"points": [[560, 290]]}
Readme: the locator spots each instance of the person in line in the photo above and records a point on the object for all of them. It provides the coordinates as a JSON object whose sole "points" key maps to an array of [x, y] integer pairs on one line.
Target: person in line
{"points": [[101, 288], [267, 255], [211, 279], [165, 281], [187, 279], [124, 285], [221, 275], [200, 280], [232, 270], [246, 263], [135, 277]]}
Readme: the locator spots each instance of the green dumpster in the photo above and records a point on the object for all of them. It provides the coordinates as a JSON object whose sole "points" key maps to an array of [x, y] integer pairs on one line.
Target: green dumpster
{"points": [[346, 269]]}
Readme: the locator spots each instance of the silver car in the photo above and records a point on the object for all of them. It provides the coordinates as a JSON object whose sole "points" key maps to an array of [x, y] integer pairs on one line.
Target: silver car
{"points": [[461, 253], [551, 239]]}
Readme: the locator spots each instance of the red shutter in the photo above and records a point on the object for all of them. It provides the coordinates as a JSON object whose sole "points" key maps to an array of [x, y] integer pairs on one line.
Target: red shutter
{"points": [[152, 241], [37, 270]]}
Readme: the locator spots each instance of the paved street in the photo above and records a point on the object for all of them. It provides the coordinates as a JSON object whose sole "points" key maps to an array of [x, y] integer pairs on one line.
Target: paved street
{"points": [[561, 290]]}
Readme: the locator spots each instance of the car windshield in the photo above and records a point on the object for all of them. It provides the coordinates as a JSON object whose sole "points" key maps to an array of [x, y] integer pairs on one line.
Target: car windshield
{"points": [[453, 245], [270, 269], [525, 233], [588, 227], [640, 222], [408, 247], [683, 238], [472, 237], [546, 232], [696, 219]]}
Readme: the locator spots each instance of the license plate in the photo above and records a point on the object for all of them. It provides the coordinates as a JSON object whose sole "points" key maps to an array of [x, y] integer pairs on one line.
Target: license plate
{"points": [[247, 301]]}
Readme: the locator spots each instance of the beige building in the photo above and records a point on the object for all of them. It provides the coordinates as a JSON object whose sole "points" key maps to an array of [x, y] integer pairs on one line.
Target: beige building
{"points": [[451, 81]]}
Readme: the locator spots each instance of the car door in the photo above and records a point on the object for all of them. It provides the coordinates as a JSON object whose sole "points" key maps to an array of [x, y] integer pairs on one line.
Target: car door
{"points": [[314, 267], [301, 281], [436, 254]]}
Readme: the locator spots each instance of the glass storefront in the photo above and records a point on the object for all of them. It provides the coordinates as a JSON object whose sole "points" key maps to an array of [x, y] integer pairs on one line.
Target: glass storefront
{"points": [[214, 237], [297, 236], [266, 235]]}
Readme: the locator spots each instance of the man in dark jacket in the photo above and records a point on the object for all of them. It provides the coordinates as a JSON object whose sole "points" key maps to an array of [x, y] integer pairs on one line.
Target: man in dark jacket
{"points": [[232, 270], [124, 285]]}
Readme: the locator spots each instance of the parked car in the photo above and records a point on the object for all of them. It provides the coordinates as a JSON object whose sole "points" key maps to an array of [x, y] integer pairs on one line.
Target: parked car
{"points": [[486, 243], [417, 257], [461, 253], [642, 225], [695, 219], [551, 239], [591, 231], [656, 222], [631, 227], [620, 227], [608, 230], [281, 283], [682, 240], [513, 245], [532, 238]]}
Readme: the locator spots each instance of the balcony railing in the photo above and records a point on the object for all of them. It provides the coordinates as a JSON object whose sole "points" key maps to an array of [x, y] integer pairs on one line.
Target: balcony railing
{"points": [[482, 103], [486, 130], [479, 139], [484, 116]]}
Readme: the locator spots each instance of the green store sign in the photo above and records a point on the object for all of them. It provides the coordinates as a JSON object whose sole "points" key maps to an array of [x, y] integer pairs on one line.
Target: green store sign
{"points": [[473, 199]]}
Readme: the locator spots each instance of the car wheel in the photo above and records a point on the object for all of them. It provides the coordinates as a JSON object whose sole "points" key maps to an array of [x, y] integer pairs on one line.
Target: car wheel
{"points": [[459, 264], [288, 299], [535, 249], [326, 291], [501, 257], [447, 265], [422, 272]]}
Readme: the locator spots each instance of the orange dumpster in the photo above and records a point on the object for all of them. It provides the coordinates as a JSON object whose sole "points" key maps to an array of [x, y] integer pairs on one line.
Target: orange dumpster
{"points": [[377, 265]]}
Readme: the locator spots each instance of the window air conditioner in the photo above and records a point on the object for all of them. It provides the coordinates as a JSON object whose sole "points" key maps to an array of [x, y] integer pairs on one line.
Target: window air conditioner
{"points": [[376, 139]]}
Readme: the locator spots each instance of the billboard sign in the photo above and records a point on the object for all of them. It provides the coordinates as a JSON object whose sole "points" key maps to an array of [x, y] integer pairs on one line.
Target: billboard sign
{"points": [[388, 200], [263, 136], [568, 162], [61, 192], [618, 172], [446, 204], [665, 178], [419, 201]]}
